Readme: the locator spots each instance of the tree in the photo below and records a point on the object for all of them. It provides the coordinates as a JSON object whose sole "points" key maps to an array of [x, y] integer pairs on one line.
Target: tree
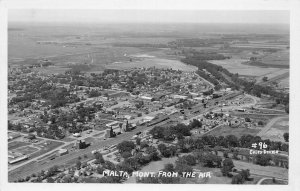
{"points": [[287, 108], [144, 144], [169, 167], [126, 154], [52, 171], [125, 146], [245, 174], [100, 169], [195, 123], [50, 180], [152, 152], [265, 78], [182, 167], [211, 160], [286, 137], [263, 160], [78, 164], [187, 159], [162, 147], [227, 166], [260, 123], [124, 167], [247, 119], [109, 165], [138, 141], [99, 158], [132, 162], [237, 179]]}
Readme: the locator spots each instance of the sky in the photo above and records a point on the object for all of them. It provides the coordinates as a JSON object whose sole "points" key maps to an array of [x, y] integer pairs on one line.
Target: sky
{"points": [[156, 16]]}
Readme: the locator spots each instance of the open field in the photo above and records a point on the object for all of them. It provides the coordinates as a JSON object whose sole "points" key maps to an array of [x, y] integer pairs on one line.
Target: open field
{"points": [[260, 45], [283, 73], [234, 65], [275, 133], [153, 62], [238, 132], [284, 82], [46, 148], [16, 144], [26, 150], [270, 171], [278, 58]]}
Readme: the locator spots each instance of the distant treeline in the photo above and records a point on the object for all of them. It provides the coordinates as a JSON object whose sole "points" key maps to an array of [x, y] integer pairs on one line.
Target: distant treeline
{"points": [[141, 45], [196, 42], [264, 65]]}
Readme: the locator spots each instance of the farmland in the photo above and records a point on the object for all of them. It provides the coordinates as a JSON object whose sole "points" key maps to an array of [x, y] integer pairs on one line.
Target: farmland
{"points": [[275, 133], [16, 144], [235, 65], [153, 62]]}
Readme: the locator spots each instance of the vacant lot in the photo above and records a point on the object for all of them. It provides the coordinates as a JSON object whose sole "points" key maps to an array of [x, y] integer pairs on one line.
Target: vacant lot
{"points": [[269, 171], [46, 148], [275, 133], [27, 150], [16, 144], [238, 132]]}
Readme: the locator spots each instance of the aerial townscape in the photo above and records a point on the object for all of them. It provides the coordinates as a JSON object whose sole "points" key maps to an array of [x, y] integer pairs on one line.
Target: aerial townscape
{"points": [[148, 103]]}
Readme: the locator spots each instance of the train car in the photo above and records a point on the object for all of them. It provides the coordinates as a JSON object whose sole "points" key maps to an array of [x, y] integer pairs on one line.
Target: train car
{"points": [[18, 159]]}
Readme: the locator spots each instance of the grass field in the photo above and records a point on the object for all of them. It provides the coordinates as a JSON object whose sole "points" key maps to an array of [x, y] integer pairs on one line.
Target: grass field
{"points": [[98, 134], [234, 65], [153, 62], [284, 82], [278, 58], [270, 182], [275, 133], [16, 144], [271, 171], [46, 148], [26, 150], [238, 132]]}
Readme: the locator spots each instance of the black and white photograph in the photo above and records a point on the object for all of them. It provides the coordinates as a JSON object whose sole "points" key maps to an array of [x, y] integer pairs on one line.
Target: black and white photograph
{"points": [[148, 96]]}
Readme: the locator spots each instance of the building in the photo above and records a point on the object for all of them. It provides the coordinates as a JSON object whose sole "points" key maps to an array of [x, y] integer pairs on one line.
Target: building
{"points": [[13, 136], [179, 97], [76, 134], [81, 144], [62, 152], [18, 159]]}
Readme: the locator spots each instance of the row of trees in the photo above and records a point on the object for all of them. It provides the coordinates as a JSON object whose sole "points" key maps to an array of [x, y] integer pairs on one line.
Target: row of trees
{"points": [[178, 131], [229, 141]]}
